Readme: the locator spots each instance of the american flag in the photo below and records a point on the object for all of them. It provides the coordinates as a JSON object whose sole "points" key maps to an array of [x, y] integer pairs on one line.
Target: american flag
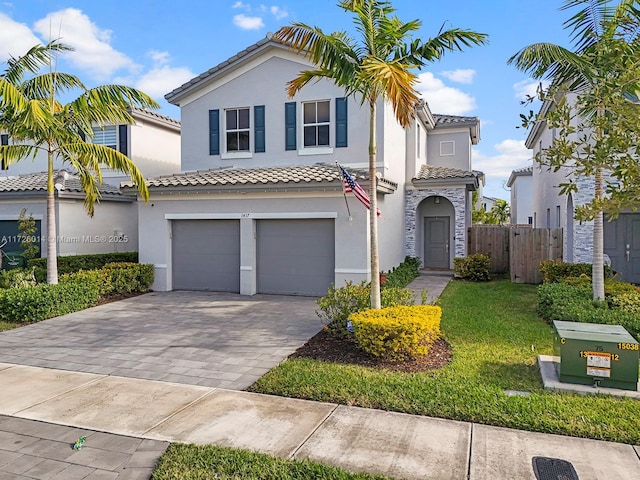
{"points": [[351, 186]]}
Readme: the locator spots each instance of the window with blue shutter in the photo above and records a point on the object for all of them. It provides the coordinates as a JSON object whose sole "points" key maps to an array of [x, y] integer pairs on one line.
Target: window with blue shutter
{"points": [[290, 125], [123, 140], [259, 129], [4, 140], [214, 132], [341, 122]]}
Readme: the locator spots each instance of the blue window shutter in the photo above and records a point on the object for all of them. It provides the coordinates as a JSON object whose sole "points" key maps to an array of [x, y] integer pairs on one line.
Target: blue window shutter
{"points": [[214, 132], [341, 122], [259, 128], [290, 125], [4, 140], [123, 141]]}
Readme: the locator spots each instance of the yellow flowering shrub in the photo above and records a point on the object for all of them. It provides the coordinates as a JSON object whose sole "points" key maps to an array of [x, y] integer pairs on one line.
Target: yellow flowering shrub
{"points": [[397, 333]]}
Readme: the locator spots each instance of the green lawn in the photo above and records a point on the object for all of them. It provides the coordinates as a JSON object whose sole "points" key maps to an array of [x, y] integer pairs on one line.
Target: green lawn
{"points": [[496, 336], [8, 326], [191, 462]]}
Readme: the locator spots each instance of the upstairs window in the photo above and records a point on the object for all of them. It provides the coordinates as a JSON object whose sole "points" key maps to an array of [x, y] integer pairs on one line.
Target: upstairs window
{"points": [[107, 136], [237, 127], [316, 120]]}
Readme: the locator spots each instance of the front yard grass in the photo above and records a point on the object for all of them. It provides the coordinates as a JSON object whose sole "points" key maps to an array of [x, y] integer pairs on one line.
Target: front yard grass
{"points": [[191, 462], [495, 337]]}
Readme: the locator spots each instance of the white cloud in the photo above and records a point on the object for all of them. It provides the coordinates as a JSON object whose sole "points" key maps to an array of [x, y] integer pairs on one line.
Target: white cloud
{"points": [[245, 6], [460, 75], [93, 54], [443, 99], [247, 23], [510, 154], [528, 88], [162, 79], [278, 12], [15, 38]]}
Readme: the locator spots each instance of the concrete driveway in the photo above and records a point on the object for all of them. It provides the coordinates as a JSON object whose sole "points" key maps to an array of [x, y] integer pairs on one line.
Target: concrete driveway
{"points": [[198, 338]]}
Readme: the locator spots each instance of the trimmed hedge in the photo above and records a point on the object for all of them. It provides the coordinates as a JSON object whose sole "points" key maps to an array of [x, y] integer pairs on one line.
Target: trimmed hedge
{"points": [[397, 333], [556, 271], [75, 263], [32, 304], [574, 303], [475, 267], [403, 274], [76, 291]]}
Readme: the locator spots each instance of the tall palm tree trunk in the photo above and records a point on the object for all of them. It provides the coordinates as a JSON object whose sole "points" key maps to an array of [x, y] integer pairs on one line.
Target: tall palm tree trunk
{"points": [[597, 273], [373, 210], [52, 260]]}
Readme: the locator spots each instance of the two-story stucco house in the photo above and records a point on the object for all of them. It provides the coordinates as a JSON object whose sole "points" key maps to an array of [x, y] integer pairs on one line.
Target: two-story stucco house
{"points": [[259, 205], [550, 209], [152, 142], [521, 185]]}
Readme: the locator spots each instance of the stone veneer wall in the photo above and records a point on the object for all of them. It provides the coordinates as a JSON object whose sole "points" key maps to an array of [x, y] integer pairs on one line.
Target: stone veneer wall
{"points": [[457, 196]]}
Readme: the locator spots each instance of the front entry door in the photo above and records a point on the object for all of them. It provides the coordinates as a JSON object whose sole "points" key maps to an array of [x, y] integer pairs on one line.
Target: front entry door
{"points": [[436, 242], [622, 244]]}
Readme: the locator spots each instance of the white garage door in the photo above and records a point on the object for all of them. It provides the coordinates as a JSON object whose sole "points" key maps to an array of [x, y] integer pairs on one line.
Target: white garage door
{"points": [[295, 257], [206, 255]]}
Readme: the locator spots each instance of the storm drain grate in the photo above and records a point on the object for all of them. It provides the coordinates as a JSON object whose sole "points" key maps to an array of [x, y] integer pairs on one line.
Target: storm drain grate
{"points": [[547, 468]]}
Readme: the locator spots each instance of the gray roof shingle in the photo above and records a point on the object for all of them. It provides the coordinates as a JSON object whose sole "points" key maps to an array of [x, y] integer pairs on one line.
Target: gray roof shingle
{"points": [[454, 120], [309, 175], [431, 172], [37, 182]]}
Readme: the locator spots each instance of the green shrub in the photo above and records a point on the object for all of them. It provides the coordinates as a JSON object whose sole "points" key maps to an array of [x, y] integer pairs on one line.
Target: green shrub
{"points": [[403, 274], [397, 333], [17, 278], [99, 278], [556, 271], [127, 277], [339, 303], [74, 263], [32, 304], [572, 303], [476, 267]]}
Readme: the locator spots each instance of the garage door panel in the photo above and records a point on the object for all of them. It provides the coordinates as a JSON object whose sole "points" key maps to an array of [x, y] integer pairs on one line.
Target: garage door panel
{"points": [[206, 255], [295, 256]]}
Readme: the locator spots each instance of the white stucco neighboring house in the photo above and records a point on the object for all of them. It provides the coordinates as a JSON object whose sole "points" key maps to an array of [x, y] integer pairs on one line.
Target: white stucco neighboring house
{"points": [[521, 184], [259, 204], [153, 143], [550, 209]]}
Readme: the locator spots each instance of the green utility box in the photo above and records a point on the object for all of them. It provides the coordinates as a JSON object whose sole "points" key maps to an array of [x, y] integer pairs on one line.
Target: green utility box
{"points": [[594, 354]]}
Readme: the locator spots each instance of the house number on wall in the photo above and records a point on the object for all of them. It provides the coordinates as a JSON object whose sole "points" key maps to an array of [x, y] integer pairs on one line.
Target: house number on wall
{"points": [[245, 215]]}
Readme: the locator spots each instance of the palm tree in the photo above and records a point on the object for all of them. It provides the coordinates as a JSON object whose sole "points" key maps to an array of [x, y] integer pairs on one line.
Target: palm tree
{"points": [[32, 113], [599, 31], [381, 65]]}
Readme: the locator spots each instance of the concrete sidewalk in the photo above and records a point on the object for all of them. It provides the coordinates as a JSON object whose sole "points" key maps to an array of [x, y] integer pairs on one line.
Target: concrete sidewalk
{"points": [[394, 444]]}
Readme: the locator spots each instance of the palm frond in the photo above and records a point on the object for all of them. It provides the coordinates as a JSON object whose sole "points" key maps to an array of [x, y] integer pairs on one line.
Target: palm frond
{"points": [[37, 57], [50, 84], [10, 96], [396, 82], [553, 62], [454, 39], [10, 154]]}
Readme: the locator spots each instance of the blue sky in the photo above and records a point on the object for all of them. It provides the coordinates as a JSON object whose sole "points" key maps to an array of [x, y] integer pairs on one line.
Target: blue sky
{"points": [[157, 45]]}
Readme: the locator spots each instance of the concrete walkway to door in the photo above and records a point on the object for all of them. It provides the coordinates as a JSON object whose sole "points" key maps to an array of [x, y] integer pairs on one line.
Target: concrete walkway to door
{"points": [[197, 338]]}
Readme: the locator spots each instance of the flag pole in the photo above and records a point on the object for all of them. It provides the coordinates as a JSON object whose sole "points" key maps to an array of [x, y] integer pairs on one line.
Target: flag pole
{"points": [[343, 192]]}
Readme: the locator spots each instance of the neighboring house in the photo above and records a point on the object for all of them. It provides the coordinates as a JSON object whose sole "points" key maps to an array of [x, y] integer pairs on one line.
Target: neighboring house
{"points": [[486, 203], [153, 143], [521, 184], [259, 207], [550, 209], [113, 228]]}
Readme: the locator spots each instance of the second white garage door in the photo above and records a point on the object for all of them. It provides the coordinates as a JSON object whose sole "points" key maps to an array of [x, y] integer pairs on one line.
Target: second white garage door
{"points": [[295, 257]]}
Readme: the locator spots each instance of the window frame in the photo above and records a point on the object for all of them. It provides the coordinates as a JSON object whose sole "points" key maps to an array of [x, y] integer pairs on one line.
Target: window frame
{"points": [[316, 149], [226, 153], [453, 148]]}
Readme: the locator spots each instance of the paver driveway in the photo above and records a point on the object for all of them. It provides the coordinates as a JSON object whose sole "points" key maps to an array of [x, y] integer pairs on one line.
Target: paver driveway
{"points": [[199, 338]]}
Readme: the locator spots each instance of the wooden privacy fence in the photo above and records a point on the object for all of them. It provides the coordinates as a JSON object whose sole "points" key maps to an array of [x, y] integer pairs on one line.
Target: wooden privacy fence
{"points": [[516, 249]]}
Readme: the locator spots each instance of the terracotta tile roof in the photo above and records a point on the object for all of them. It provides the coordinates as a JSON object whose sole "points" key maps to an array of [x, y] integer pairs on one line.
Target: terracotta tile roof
{"points": [[246, 177], [431, 172], [37, 182]]}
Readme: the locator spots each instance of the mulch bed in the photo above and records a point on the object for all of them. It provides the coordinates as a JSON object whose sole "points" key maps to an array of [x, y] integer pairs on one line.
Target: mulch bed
{"points": [[115, 298], [329, 347]]}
